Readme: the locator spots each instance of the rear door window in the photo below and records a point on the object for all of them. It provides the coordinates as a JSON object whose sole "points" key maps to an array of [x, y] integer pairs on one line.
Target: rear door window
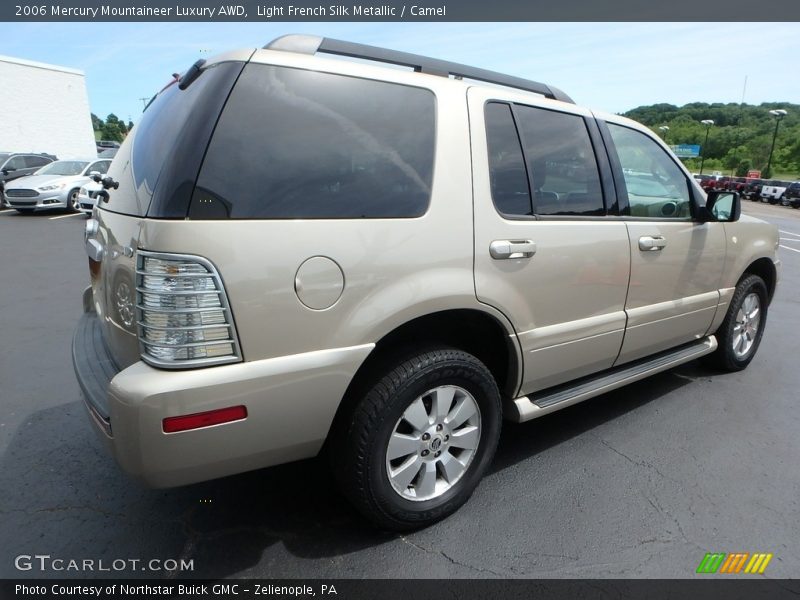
{"points": [[561, 162], [507, 173], [296, 144]]}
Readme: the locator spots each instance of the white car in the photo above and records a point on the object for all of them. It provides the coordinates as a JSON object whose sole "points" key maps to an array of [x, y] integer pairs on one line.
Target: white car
{"points": [[87, 196]]}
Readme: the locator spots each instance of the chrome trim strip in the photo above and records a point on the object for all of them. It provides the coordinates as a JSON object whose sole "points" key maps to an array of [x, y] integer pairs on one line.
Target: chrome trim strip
{"points": [[179, 311], [178, 293], [190, 344], [183, 327]]}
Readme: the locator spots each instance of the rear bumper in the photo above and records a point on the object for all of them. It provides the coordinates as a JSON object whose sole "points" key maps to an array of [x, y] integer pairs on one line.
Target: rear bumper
{"points": [[290, 400]]}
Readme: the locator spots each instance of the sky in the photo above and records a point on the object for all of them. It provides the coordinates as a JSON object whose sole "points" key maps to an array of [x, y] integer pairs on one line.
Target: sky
{"points": [[606, 66]]}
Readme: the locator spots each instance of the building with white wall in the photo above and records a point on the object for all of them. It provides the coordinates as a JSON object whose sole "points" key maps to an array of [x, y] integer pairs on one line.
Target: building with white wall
{"points": [[44, 108]]}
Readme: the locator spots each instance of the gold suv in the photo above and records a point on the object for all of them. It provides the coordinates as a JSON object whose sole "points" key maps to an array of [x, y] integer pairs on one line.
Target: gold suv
{"points": [[294, 252]]}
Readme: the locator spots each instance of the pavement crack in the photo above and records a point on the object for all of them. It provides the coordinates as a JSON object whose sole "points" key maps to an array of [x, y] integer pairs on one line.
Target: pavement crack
{"points": [[639, 463], [449, 558]]}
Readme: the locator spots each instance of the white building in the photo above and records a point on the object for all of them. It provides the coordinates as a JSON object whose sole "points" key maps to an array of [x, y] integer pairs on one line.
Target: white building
{"points": [[44, 108]]}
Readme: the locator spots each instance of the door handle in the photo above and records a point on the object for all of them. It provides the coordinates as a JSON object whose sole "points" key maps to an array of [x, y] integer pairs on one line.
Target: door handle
{"points": [[651, 243], [510, 249]]}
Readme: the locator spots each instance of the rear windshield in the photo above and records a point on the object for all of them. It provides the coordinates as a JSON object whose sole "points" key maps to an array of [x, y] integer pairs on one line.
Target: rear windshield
{"points": [[158, 162], [303, 144]]}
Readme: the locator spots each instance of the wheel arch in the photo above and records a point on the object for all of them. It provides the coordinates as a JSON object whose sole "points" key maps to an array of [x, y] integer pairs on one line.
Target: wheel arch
{"points": [[764, 268], [472, 330]]}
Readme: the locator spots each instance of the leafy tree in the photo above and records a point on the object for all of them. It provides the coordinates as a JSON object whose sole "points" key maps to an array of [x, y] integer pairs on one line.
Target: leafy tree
{"points": [[740, 138]]}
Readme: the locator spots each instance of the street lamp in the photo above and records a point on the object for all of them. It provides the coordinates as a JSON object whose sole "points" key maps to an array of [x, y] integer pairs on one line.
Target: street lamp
{"points": [[664, 129], [778, 113], [708, 123]]}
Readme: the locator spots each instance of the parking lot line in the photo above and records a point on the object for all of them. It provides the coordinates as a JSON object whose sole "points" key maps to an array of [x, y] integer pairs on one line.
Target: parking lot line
{"points": [[7, 210], [65, 216], [789, 233], [787, 248]]}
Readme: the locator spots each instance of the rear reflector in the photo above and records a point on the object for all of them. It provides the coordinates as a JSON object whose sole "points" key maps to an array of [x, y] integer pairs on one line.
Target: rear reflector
{"points": [[204, 419]]}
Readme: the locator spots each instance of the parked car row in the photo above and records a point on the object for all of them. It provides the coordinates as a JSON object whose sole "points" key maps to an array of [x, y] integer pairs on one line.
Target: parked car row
{"points": [[773, 191], [55, 185]]}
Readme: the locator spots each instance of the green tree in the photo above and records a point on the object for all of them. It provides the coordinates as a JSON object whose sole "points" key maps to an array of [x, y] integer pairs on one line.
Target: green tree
{"points": [[97, 122]]}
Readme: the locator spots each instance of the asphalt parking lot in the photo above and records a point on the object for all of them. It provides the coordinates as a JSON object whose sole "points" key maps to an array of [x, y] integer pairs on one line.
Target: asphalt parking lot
{"points": [[640, 482]]}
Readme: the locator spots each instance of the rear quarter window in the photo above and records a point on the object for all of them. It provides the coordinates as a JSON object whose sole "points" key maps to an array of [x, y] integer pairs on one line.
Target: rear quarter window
{"points": [[296, 144]]}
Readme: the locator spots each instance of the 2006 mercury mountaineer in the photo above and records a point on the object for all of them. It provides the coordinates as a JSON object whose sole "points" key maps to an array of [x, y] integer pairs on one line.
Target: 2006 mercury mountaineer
{"points": [[297, 252]]}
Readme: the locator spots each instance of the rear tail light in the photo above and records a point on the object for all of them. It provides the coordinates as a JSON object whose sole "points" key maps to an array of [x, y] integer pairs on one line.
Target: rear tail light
{"points": [[183, 315]]}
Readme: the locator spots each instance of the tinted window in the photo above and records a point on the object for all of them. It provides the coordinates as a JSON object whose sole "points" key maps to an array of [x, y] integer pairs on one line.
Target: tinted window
{"points": [[158, 162], [656, 187], [37, 161], [561, 162], [16, 162], [302, 144], [507, 174]]}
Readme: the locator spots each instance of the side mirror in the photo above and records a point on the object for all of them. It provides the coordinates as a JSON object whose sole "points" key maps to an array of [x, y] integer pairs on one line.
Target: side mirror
{"points": [[8, 170], [722, 206], [94, 174]]}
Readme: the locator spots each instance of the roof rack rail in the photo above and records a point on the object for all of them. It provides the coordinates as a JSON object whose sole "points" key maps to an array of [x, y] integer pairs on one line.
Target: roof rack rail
{"points": [[312, 44]]}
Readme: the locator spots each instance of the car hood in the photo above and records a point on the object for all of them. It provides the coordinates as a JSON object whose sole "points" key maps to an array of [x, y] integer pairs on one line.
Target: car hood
{"points": [[37, 181]]}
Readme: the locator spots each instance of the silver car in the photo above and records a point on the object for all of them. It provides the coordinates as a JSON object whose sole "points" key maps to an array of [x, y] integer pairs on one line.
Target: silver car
{"points": [[53, 186]]}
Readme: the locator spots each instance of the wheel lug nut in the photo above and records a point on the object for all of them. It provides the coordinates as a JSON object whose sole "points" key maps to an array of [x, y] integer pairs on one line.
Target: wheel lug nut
{"points": [[447, 438], [426, 436], [438, 453], [425, 452], [439, 427]]}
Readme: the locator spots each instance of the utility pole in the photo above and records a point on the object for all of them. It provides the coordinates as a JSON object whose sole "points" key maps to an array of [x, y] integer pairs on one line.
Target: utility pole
{"points": [[708, 123], [778, 113]]}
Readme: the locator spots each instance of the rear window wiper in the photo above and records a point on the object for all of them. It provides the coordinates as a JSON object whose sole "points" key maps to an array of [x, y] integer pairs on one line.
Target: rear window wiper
{"points": [[191, 74]]}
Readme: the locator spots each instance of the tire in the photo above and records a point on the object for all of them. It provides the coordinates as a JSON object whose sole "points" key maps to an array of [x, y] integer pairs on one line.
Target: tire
{"points": [[726, 357], [72, 201], [784, 201], [423, 456]]}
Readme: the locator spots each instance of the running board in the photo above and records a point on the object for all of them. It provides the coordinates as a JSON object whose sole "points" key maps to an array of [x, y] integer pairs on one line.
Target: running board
{"points": [[525, 408]]}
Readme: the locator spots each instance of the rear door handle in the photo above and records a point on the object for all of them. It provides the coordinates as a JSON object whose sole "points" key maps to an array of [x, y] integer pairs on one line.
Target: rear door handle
{"points": [[511, 249], [651, 243]]}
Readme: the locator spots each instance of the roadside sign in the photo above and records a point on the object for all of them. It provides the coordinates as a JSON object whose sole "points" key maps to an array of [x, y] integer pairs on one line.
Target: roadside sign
{"points": [[686, 150], [754, 174]]}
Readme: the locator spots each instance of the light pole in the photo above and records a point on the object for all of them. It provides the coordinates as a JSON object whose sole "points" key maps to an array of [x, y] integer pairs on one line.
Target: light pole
{"points": [[708, 123], [664, 129], [778, 113]]}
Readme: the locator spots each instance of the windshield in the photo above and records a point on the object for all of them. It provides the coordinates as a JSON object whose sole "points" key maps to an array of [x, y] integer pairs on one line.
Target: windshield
{"points": [[3, 157], [64, 167], [646, 186]]}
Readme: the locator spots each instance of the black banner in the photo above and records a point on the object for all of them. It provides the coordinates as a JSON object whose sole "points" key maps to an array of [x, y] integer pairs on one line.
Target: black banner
{"points": [[402, 10], [349, 589]]}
